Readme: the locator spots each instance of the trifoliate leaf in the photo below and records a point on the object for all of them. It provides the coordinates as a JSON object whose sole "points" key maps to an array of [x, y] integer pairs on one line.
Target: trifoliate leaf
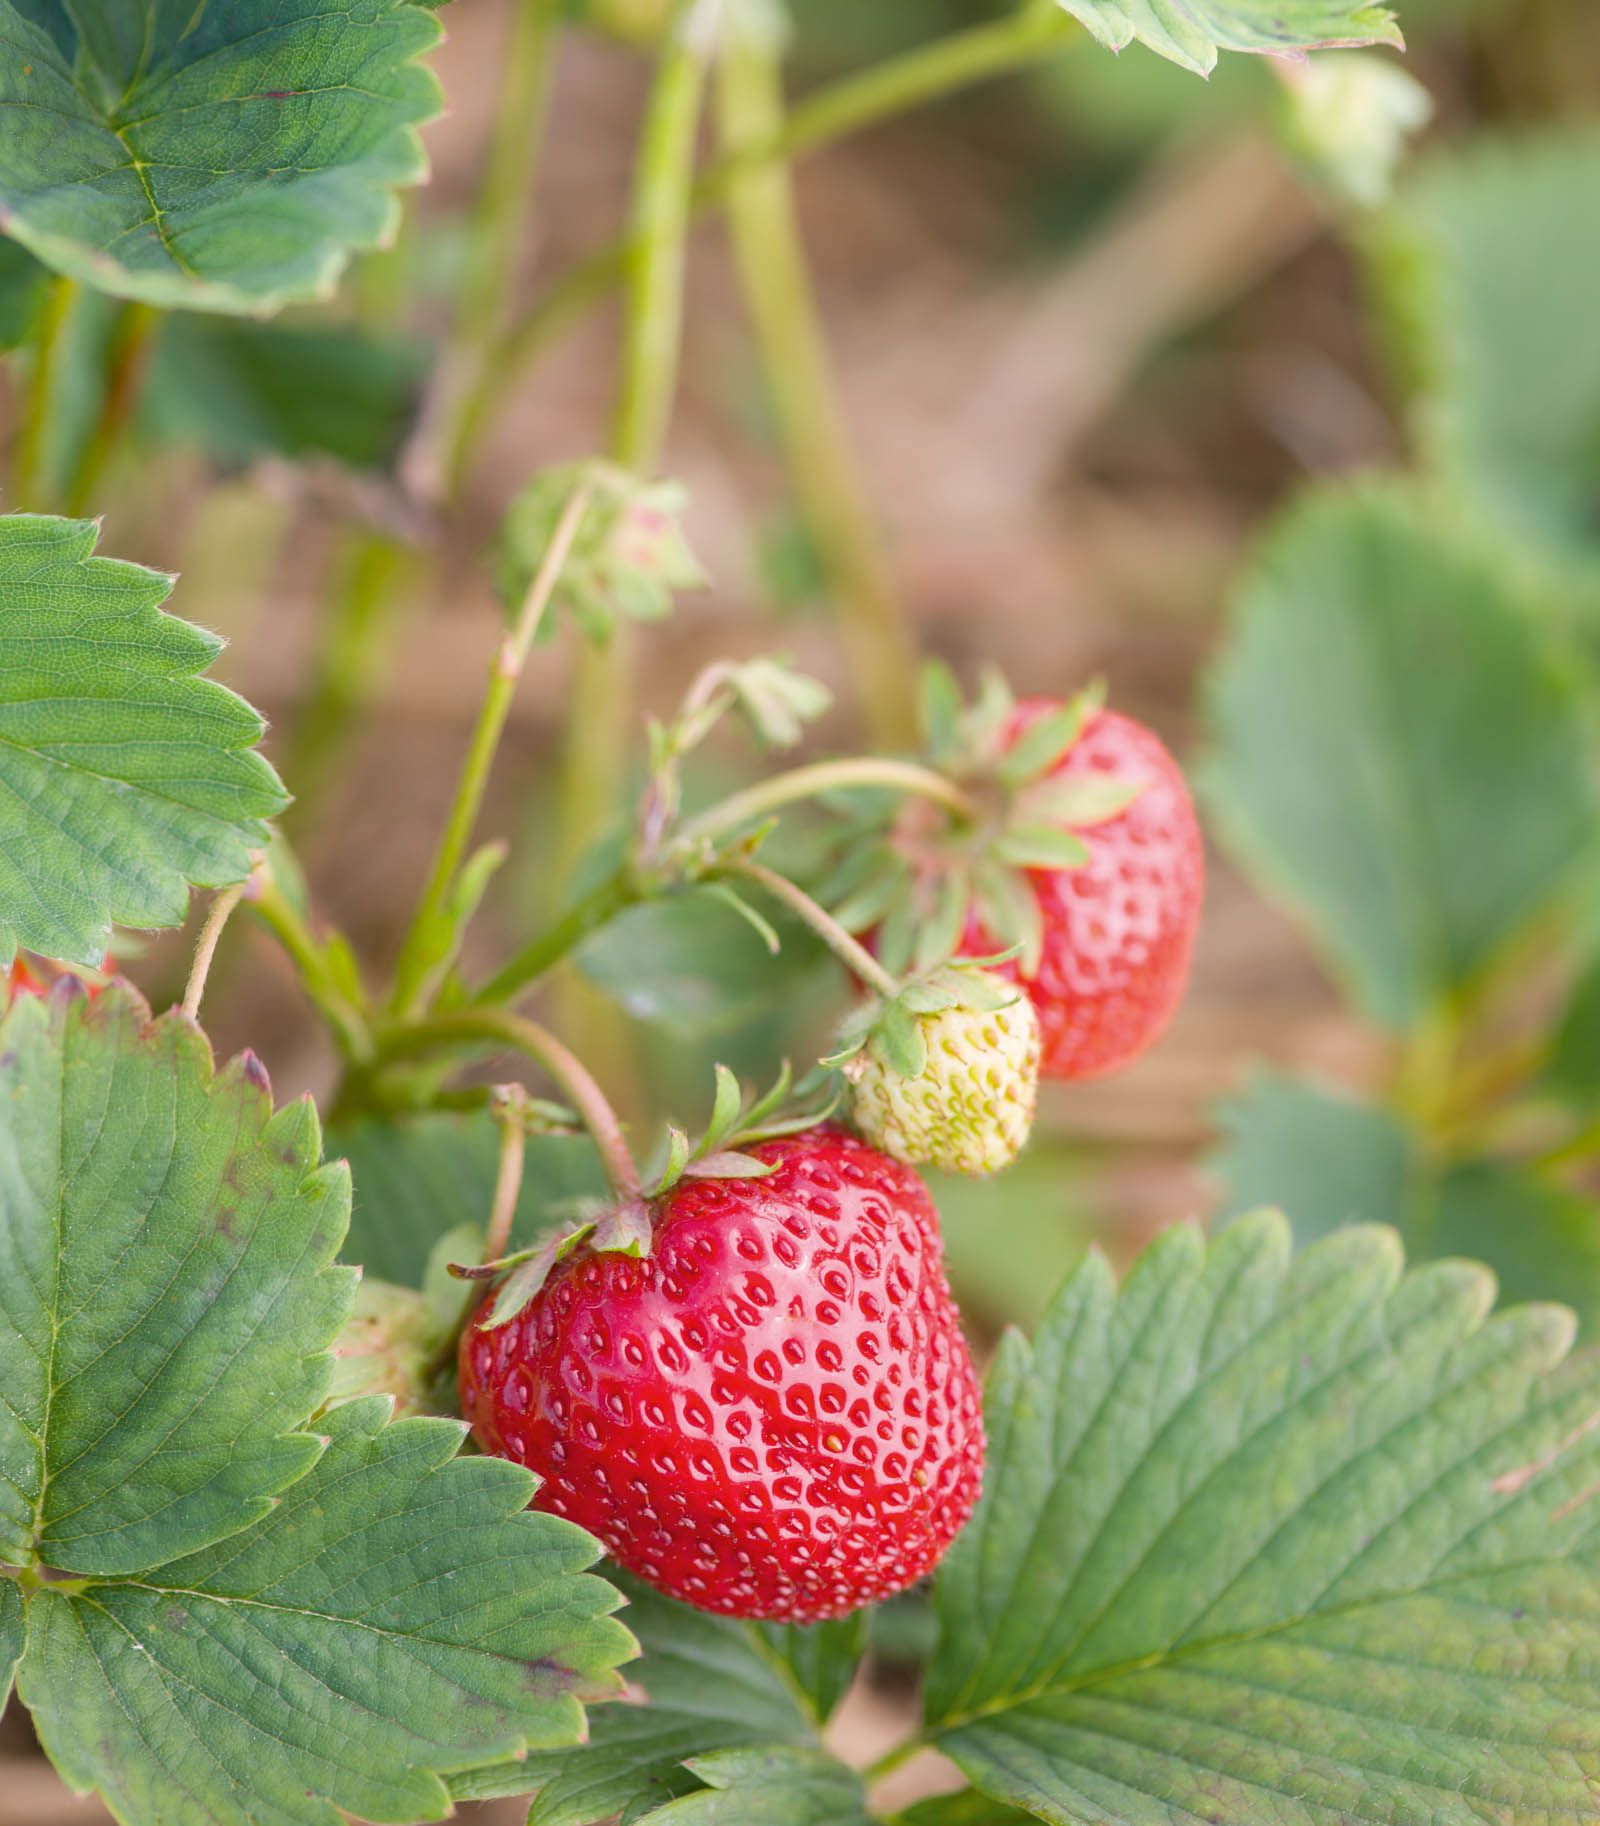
{"points": [[705, 1684], [126, 776], [770, 1788], [1192, 32], [1387, 711], [165, 1242], [402, 1614], [220, 158], [1289, 1540]]}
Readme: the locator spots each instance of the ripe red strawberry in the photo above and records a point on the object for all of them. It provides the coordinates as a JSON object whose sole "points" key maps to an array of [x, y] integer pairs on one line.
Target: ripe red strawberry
{"points": [[1118, 929], [771, 1415]]}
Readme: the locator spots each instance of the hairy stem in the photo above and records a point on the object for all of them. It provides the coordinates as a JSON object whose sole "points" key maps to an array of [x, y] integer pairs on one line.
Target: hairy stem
{"points": [[127, 362], [771, 260], [855, 957], [595, 751], [29, 489], [437, 1032], [820, 777], [892, 1759], [210, 934], [511, 1113], [347, 1023], [416, 952], [495, 238], [958, 61], [597, 908]]}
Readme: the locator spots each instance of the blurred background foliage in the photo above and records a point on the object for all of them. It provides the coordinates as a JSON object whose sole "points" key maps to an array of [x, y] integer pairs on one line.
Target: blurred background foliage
{"points": [[1142, 382]]}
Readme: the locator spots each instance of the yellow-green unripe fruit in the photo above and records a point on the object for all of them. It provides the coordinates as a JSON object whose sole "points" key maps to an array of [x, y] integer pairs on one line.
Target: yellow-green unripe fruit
{"points": [[971, 1105]]}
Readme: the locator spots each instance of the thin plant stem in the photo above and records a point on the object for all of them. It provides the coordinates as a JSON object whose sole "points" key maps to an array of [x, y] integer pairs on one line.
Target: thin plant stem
{"points": [[820, 777], [347, 1023], [958, 61], [511, 1113], [133, 339], [496, 234], [28, 486], [850, 952], [773, 273], [220, 913], [439, 1031], [594, 754], [626, 887], [892, 1759], [597, 908], [415, 956]]}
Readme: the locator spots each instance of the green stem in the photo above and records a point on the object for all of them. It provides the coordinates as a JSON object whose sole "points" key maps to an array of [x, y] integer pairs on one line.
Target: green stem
{"points": [[417, 952], [770, 256], [414, 1039], [892, 1759], [495, 240], [28, 488], [1026, 37], [511, 1113], [210, 935], [127, 361], [855, 957], [347, 1023], [597, 908], [820, 777], [595, 749], [354, 641]]}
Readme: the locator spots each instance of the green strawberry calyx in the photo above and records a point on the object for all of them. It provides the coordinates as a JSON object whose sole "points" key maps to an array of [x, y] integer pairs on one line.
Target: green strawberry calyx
{"points": [[911, 872]]}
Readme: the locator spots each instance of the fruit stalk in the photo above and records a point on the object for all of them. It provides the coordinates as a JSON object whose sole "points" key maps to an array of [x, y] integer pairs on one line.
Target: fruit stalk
{"points": [[28, 489], [503, 678], [510, 1106], [127, 362], [220, 913], [770, 256], [855, 957], [435, 1032]]}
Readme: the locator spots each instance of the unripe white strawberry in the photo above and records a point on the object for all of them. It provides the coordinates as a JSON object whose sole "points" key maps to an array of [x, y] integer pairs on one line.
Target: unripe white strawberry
{"points": [[947, 1074]]}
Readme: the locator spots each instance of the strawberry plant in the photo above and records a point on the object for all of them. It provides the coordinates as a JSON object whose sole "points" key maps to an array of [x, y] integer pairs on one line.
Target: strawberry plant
{"points": [[468, 1433]]}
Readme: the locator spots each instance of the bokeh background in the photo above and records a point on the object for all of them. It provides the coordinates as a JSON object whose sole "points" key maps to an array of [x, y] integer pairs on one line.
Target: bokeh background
{"points": [[1092, 326]]}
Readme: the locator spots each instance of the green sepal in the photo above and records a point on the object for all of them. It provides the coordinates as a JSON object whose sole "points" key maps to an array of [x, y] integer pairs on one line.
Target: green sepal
{"points": [[941, 930], [1010, 911], [730, 1164], [898, 1040], [940, 710], [1081, 801], [1041, 846], [1042, 746], [533, 1268]]}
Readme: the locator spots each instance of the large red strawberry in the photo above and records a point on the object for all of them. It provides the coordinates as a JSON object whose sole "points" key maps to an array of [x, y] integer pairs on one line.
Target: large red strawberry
{"points": [[772, 1414], [1117, 931]]}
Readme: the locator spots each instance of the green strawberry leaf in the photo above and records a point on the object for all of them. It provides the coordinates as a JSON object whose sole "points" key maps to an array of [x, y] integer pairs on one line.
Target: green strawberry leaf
{"points": [[1334, 1161], [400, 1615], [705, 1684], [1324, 1158], [416, 1178], [1505, 375], [240, 391], [12, 1627], [126, 775], [770, 1788], [689, 963], [165, 1242], [1192, 32], [219, 158], [1280, 1539], [1385, 714], [821, 1658], [22, 287], [965, 1808]]}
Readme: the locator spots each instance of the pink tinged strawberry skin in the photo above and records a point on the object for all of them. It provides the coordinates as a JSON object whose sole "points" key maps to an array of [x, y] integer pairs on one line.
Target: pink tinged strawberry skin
{"points": [[1119, 929], [772, 1415]]}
